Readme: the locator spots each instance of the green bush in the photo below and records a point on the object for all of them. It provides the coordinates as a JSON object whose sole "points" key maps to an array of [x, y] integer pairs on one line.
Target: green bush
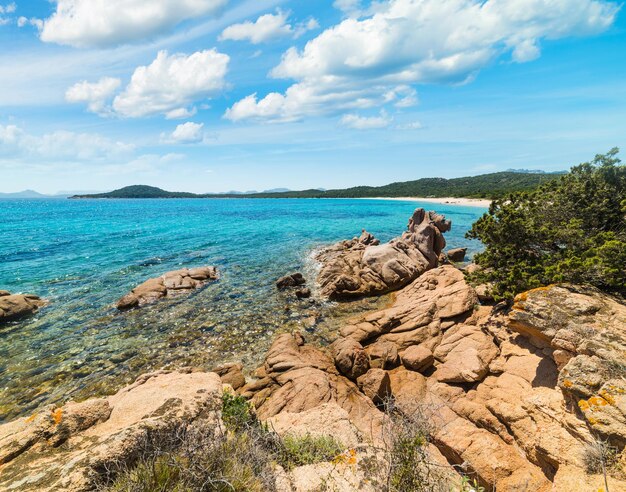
{"points": [[306, 450], [568, 230]]}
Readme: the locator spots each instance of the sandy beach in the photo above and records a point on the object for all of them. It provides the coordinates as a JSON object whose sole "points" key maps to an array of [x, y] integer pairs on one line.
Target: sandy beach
{"points": [[470, 202]]}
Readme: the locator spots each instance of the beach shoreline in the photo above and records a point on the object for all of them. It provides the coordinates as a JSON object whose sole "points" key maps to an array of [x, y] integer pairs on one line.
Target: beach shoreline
{"points": [[469, 202]]}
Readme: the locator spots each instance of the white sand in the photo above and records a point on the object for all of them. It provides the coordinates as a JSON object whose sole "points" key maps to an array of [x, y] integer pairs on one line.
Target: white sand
{"points": [[469, 202]]}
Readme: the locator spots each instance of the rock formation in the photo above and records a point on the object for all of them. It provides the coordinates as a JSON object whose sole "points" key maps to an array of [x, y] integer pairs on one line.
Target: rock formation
{"points": [[364, 267], [516, 399], [170, 284], [65, 448], [16, 306]]}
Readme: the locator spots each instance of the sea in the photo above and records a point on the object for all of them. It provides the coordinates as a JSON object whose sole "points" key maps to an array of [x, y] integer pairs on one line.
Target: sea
{"points": [[83, 255]]}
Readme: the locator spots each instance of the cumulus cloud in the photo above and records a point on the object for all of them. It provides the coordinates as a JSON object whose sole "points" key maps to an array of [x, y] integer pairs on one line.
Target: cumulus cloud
{"points": [[357, 122], [60, 145], [266, 28], [97, 95], [185, 133], [171, 83], [401, 43], [85, 23]]}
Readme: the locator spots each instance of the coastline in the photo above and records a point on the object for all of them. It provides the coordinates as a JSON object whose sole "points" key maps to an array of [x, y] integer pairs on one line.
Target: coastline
{"points": [[468, 202]]}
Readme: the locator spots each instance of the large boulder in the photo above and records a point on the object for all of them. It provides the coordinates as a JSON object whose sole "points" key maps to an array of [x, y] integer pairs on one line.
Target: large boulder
{"points": [[296, 378], [17, 306], [584, 331], [66, 448], [363, 267], [465, 352], [169, 284], [350, 358], [456, 255]]}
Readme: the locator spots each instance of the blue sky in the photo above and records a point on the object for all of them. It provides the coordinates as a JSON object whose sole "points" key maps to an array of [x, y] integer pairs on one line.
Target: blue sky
{"points": [[215, 95]]}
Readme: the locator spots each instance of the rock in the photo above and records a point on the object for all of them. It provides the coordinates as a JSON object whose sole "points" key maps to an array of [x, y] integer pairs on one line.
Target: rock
{"points": [[456, 255], [418, 310], [303, 293], [231, 374], [363, 267], [368, 239], [375, 384], [465, 352], [17, 306], [328, 419], [483, 291], [584, 331], [292, 280], [417, 358], [472, 268], [97, 434], [350, 358], [408, 389], [569, 478], [169, 284], [383, 355], [297, 378]]}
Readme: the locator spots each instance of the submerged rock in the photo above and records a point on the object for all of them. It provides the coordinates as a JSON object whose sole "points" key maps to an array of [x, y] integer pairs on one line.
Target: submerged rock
{"points": [[364, 267], [17, 306], [169, 284]]}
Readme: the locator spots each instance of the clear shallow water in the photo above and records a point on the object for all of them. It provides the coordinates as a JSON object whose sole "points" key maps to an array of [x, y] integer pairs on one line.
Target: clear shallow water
{"points": [[83, 255]]}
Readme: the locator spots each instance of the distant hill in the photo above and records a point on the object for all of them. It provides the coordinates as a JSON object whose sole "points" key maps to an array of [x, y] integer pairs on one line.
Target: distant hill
{"points": [[484, 186], [140, 191], [30, 194]]}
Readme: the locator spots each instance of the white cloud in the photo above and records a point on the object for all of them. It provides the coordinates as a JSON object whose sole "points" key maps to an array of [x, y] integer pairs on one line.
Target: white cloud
{"points": [[186, 133], [88, 23], [171, 83], [96, 95], [60, 145], [357, 122], [180, 113], [266, 28], [8, 9], [33, 21], [401, 43]]}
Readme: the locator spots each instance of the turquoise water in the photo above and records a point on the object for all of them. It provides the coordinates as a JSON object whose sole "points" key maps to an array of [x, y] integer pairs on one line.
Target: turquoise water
{"points": [[82, 255]]}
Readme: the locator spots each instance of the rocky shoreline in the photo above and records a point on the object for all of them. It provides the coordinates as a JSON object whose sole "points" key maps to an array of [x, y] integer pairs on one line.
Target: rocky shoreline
{"points": [[517, 398]]}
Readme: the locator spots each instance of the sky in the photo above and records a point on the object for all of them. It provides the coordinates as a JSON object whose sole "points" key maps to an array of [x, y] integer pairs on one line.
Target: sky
{"points": [[220, 95]]}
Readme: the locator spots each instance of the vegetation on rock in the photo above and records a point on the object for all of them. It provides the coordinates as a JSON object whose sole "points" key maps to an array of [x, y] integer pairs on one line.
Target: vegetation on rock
{"points": [[242, 457], [568, 230]]}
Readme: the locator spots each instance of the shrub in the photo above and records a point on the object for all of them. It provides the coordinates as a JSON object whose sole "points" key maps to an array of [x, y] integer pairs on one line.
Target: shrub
{"points": [[568, 230], [306, 450], [240, 457]]}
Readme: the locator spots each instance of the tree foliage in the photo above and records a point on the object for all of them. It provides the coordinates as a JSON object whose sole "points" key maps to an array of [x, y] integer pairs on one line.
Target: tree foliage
{"points": [[569, 230]]}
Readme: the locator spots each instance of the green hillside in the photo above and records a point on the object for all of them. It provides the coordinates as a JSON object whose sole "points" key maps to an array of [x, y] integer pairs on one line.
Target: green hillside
{"points": [[492, 185]]}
